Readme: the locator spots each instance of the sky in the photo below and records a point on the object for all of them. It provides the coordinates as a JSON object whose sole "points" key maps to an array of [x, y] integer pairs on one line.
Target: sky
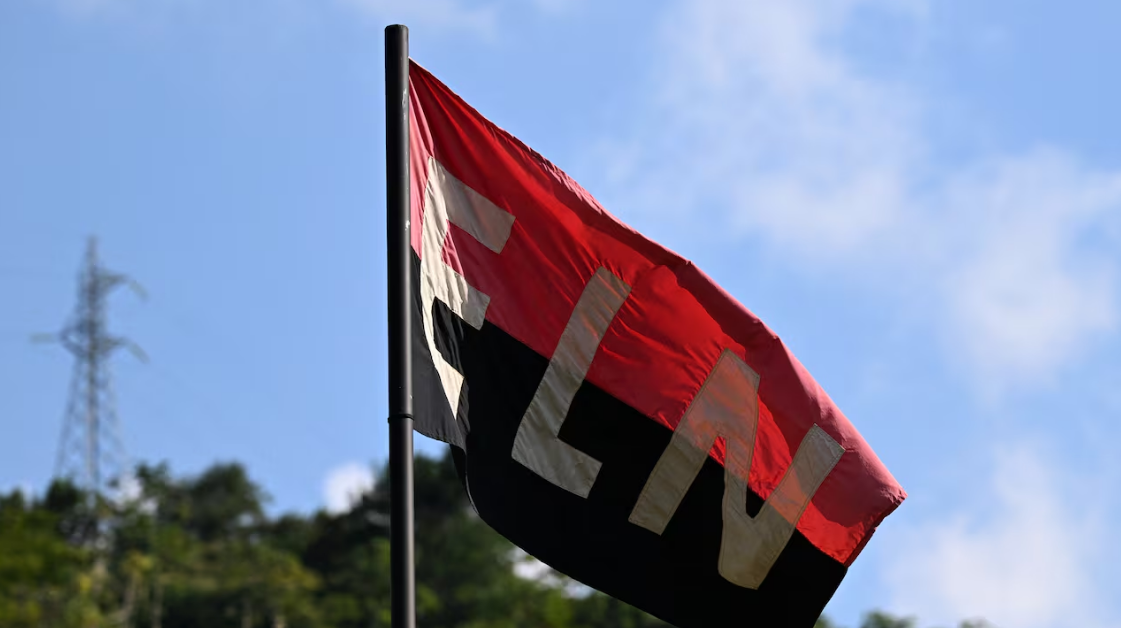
{"points": [[921, 197]]}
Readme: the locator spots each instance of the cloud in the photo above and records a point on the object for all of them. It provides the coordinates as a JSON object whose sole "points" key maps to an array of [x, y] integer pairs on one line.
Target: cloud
{"points": [[130, 492], [1027, 287], [767, 123], [345, 485], [1030, 564], [773, 128], [529, 568], [444, 15], [129, 489], [760, 124]]}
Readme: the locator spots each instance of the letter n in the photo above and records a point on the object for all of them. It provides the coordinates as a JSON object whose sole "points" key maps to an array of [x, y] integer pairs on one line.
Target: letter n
{"points": [[728, 406]]}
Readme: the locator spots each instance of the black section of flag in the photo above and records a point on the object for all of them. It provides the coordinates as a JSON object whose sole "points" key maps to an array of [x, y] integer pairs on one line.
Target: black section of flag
{"points": [[673, 576]]}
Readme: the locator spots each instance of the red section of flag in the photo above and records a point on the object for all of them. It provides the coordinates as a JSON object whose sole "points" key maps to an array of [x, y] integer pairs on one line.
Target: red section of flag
{"points": [[669, 333]]}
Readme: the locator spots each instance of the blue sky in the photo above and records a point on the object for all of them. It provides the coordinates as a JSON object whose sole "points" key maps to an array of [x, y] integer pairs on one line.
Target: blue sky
{"points": [[922, 198]]}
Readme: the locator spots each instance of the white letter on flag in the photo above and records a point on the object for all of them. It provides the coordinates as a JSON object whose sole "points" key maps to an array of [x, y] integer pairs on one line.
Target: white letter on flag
{"points": [[728, 405], [447, 199], [536, 445]]}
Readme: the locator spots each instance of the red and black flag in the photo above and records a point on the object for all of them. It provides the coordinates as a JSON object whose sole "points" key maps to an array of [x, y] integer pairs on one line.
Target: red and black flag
{"points": [[612, 411]]}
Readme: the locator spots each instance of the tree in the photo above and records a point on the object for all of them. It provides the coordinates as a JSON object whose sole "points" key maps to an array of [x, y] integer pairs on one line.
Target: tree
{"points": [[200, 551], [878, 619], [44, 578]]}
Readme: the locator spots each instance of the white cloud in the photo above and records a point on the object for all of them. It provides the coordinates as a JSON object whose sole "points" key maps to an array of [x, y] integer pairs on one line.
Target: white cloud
{"points": [[529, 568], [345, 485], [130, 488], [445, 15], [766, 123], [772, 126], [1027, 290], [1030, 564], [131, 492], [767, 127]]}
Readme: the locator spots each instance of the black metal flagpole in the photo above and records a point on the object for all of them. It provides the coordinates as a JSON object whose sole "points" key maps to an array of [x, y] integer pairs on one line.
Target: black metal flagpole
{"points": [[402, 549]]}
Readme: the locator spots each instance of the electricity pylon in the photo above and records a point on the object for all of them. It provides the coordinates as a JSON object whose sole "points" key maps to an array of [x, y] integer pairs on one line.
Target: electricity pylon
{"points": [[90, 450]]}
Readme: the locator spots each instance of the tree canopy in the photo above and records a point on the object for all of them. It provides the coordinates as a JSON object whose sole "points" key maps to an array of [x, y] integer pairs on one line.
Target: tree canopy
{"points": [[184, 552]]}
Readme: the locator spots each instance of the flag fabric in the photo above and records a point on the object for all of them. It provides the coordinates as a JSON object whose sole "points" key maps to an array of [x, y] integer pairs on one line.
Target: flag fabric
{"points": [[611, 410]]}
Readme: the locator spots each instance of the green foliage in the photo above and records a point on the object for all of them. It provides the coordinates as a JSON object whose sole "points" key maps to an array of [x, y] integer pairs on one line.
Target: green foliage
{"points": [[200, 551], [44, 579], [877, 619]]}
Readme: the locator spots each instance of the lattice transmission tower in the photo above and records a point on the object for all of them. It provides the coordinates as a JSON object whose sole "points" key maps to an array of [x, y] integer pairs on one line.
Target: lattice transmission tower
{"points": [[90, 451]]}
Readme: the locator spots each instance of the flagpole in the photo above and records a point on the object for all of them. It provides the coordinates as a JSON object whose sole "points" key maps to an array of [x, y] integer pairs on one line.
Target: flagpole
{"points": [[402, 549]]}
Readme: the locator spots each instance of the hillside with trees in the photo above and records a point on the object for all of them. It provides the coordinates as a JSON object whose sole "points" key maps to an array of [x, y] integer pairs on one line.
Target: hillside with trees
{"points": [[190, 552]]}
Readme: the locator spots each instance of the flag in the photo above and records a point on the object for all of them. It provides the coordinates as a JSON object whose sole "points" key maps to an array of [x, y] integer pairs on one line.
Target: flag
{"points": [[612, 411]]}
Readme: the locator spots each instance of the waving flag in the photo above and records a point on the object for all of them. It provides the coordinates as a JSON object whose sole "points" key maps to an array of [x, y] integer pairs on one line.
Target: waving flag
{"points": [[613, 412]]}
